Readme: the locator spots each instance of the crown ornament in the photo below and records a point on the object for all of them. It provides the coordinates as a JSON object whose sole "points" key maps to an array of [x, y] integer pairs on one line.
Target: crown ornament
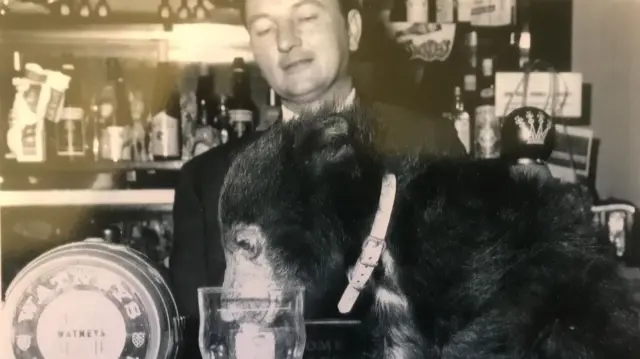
{"points": [[527, 133], [534, 128]]}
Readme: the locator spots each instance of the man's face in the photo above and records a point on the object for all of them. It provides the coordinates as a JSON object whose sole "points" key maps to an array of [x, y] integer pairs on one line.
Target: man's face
{"points": [[302, 46]]}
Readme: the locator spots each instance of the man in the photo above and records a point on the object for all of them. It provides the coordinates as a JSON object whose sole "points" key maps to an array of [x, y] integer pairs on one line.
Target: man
{"points": [[302, 48]]}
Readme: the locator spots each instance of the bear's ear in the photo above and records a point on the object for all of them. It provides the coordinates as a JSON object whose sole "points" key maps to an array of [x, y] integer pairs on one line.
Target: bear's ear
{"points": [[325, 144]]}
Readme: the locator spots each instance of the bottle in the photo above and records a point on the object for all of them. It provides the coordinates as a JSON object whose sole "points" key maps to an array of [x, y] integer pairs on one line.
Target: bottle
{"points": [[243, 112], [70, 129], [117, 116], [487, 124], [272, 112], [165, 143], [205, 136], [6, 108], [524, 46], [221, 122], [461, 119], [470, 69]]}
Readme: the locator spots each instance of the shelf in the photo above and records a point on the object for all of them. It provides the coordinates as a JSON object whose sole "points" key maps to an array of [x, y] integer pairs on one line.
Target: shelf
{"points": [[50, 198], [215, 42], [13, 167]]}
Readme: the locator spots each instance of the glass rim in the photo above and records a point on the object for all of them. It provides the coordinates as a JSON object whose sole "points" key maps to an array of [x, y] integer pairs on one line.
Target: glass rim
{"points": [[220, 289]]}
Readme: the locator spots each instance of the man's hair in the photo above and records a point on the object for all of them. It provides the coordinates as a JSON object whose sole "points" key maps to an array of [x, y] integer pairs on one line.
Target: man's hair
{"points": [[345, 7]]}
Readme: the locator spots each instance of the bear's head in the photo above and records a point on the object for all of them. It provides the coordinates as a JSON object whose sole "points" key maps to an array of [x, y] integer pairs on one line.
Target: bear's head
{"points": [[297, 204]]}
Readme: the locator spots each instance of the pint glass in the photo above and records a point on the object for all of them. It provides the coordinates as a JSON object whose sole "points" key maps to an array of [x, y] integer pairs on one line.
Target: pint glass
{"points": [[259, 325]]}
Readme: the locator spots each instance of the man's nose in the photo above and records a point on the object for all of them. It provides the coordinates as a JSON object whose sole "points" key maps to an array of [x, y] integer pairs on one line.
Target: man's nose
{"points": [[288, 37]]}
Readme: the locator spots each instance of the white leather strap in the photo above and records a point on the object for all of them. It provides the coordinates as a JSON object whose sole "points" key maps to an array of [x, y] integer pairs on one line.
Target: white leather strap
{"points": [[373, 246]]}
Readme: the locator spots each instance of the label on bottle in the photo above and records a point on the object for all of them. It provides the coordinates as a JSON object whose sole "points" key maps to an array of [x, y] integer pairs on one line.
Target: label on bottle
{"points": [[70, 132], [492, 13], [240, 120], [487, 132], [165, 136], [112, 143], [470, 83]]}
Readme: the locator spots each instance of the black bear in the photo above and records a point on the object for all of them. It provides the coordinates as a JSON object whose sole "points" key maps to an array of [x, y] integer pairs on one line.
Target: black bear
{"points": [[477, 261]]}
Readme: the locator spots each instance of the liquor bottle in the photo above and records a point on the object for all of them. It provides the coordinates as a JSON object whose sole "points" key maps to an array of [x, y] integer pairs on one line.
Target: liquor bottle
{"points": [[470, 69], [461, 119], [221, 119], [205, 136], [10, 91], [272, 112], [165, 143], [486, 123], [70, 128], [524, 46], [114, 133], [243, 112]]}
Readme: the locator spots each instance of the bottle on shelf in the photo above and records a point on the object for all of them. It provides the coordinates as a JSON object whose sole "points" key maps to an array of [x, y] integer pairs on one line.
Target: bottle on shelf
{"points": [[114, 134], [243, 112], [524, 46], [271, 112], [461, 119], [205, 135], [70, 128], [470, 69], [16, 73], [221, 120], [486, 123], [165, 142]]}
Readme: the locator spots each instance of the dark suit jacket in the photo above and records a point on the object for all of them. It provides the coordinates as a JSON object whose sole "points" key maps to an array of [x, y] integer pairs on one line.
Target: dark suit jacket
{"points": [[197, 259]]}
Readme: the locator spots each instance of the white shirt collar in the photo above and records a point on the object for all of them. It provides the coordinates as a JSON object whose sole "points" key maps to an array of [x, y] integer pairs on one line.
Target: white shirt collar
{"points": [[287, 114]]}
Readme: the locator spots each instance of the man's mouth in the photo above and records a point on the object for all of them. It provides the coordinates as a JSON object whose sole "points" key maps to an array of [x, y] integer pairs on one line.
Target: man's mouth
{"points": [[296, 65]]}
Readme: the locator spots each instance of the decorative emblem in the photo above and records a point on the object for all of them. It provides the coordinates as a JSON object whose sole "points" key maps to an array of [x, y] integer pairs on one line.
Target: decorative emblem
{"points": [[534, 128], [80, 312], [427, 42]]}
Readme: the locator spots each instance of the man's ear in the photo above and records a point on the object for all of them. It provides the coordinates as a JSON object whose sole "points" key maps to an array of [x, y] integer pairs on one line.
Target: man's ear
{"points": [[326, 145], [354, 23]]}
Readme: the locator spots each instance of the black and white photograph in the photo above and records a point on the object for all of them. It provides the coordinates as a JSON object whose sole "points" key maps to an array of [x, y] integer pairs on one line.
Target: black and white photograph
{"points": [[319, 179]]}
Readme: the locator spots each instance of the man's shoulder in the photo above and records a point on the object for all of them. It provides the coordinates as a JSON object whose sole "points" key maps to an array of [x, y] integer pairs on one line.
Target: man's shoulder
{"points": [[404, 128], [215, 161], [391, 112]]}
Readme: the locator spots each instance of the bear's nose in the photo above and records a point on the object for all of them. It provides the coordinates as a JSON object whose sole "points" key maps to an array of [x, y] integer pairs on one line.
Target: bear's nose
{"points": [[250, 245]]}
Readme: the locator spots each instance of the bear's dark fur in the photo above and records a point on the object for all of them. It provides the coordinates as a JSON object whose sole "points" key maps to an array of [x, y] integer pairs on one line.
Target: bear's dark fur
{"points": [[480, 262]]}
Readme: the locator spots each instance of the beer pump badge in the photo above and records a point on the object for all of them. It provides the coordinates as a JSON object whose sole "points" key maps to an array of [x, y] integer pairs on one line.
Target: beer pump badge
{"points": [[79, 312]]}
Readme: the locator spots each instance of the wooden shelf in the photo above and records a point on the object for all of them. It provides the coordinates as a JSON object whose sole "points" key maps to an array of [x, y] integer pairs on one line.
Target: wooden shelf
{"points": [[45, 21], [51, 198], [12, 167]]}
